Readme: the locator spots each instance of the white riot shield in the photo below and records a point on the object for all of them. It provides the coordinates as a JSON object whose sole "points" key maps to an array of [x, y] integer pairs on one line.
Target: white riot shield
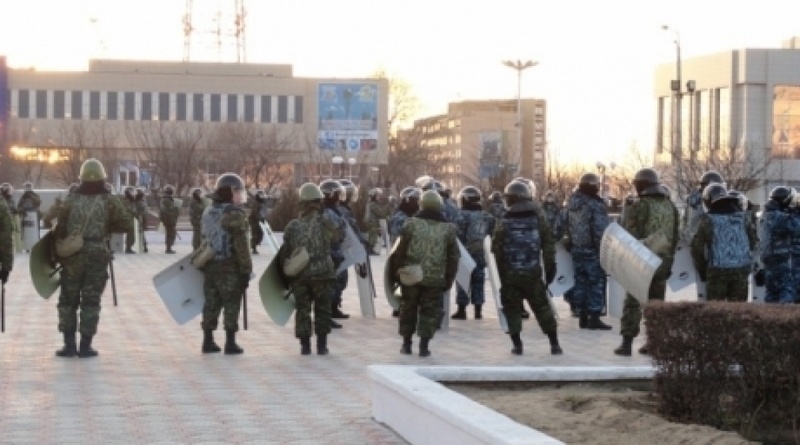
{"points": [[757, 293], [366, 288], [275, 295], [628, 261], [30, 230], [565, 272], [384, 235], [447, 298], [180, 287], [465, 267], [616, 298], [683, 271], [137, 239], [269, 237], [352, 249], [17, 224], [494, 282]]}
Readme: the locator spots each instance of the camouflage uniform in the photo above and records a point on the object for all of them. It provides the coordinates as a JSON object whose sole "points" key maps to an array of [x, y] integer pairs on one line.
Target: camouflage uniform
{"points": [[52, 213], [518, 239], [721, 252], [652, 216], [94, 213], [347, 214], [196, 208], [587, 219], [775, 235], [497, 209], [376, 211], [337, 255], [473, 226], [312, 286], [29, 202], [141, 215], [691, 215], [426, 240], [224, 225], [396, 223], [6, 238], [168, 214], [258, 214], [553, 213], [130, 236]]}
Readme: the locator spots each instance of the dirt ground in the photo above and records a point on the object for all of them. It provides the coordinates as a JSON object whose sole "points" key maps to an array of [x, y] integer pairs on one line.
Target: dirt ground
{"points": [[593, 413]]}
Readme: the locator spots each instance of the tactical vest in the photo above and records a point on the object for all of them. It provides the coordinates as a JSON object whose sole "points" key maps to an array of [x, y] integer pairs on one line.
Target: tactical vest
{"points": [[774, 238], [310, 232], [551, 212], [522, 243], [450, 212], [661, 219], [474, 228], [333, 216], [428, 249], [730, 248], [694, 209], [218, 238], [497, 209], [90, 213]]}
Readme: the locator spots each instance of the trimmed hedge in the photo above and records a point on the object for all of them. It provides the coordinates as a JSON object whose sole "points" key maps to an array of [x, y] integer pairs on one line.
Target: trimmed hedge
{"points": [[733, 366]]}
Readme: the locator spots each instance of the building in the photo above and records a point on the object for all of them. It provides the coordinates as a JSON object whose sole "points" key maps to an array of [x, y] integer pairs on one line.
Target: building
{"points": [[478, 140], [737, 107], [170, 122]]}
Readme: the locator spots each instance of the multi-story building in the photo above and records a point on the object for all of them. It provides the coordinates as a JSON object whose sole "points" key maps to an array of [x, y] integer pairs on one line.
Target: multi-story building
{"points": [[739, 110], [480, 139], [146, 118]]}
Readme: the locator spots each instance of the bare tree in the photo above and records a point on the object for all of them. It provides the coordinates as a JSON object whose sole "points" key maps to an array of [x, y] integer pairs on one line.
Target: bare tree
{"points": [[410, 158], [403, 103], [561, 178]]}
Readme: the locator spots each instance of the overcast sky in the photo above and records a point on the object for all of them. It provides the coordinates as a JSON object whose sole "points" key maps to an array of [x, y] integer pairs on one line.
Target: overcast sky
{"points": [[596, 58]]}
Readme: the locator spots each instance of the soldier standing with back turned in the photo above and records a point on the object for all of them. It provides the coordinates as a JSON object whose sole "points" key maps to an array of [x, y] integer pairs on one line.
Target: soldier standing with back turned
{"points": [[129, 200], [168, 214], [92, 213], [196, 208]]}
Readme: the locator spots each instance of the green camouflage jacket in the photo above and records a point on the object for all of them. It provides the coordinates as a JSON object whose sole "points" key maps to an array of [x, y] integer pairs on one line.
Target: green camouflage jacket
{"points": [[168, 212], [426, 239], [95, 216], [6, 237], [196, 208], [235, 223], [377, 211], [317, 234], [654, 220]]}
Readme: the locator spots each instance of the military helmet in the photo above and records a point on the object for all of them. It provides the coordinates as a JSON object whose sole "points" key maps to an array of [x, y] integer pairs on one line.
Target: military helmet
{"points": [[431, 200], [713, 193], [197, 192], [424, 182], [741, 198], [496, 197], [469, 195], [517, 189], [92, 170], [350, 189], [168, 190], [333, 189], [229, 180], [710, 177], [139, 192], [644, 179], [589, 183], [7, 189], [374, 193], [526, 182], [410, 193], [783, 195], [129, 191], [310, 192]]}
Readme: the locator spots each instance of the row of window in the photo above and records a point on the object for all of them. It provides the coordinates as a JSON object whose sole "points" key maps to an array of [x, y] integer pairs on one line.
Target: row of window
{"points": [[705, 120], [145, 106]]}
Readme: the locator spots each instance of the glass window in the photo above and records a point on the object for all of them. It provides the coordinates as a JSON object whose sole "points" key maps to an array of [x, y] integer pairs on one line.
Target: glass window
{"points": [[58, 104], [724, 117], [94, 105], [163, 106], [41, 104], [197, 105], [233, 108], [77, 105], [283, 105], [147, 107], [216, 104], [111, 105], [180, 106], [266, 108], [130, 106], [24, 105], [298, 109], [249, 108]]}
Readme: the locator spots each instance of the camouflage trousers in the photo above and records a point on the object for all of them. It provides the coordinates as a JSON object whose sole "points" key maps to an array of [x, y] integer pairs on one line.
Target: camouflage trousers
{"points": [[170, 234], [130, 237], [374, 233], [589, 292], [420, 307], [727, 284], [83, 280], [338, 287], [780, 282], [223, 289], [307, 294], [518, 286], [476, 283], [632, 309], [197, 236], [256, 234]]}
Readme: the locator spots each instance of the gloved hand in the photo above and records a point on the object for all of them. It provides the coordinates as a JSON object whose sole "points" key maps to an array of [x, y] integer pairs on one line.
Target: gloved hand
{"points": [[549, 273], [4, 275], [244, 279]]}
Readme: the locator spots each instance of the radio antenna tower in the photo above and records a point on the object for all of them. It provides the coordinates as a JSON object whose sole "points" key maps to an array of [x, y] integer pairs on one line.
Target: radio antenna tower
{"points": [[221, 34]]}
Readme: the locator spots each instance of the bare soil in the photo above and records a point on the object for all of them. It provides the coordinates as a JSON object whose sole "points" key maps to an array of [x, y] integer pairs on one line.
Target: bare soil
{"points": [[619, 413]]}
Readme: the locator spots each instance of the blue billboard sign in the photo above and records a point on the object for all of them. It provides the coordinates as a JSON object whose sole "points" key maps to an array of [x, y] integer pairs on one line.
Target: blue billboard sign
{"points": [[348, 116]]}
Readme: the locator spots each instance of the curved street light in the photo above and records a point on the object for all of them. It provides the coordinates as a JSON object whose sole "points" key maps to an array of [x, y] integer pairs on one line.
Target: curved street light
{"points": [[520, 66]]}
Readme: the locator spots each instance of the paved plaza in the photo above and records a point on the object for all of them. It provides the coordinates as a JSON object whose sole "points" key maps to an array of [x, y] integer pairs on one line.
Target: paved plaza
{"points": [[151, 384]]}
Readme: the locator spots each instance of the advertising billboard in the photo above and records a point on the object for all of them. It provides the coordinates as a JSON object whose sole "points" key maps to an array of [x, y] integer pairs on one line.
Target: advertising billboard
{"points": [[5, 103], [786, 122], [348, 117]]}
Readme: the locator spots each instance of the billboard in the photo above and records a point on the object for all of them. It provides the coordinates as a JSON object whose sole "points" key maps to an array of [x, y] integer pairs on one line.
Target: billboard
{"points": [[5, 103], [348, 117], [490, 144], [786, 122]]}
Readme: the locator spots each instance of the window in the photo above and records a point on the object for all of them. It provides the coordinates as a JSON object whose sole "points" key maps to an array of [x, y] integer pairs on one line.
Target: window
{"points": [[130, 106], [163, 106], [298, 109], [249, 108], [283, 104], [58, 104], [724, 117], [704, 119], [24, 105], [77, 105], [197, 105], [41, 104], [266, 108], [94, 105], [216, 105], [111, 105], [180, 106], [233, 108], [147, 107]]}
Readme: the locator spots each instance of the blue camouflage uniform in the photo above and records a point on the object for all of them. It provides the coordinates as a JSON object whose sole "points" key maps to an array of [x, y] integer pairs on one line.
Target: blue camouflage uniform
{"points": [[775, 236], [396, 222], [587, 219], [691, 215], [795, 251], [473, 226], [337, 255]]}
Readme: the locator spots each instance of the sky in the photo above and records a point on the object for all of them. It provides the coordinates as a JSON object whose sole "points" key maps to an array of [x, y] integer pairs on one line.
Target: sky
{"points": [[596, 59]]}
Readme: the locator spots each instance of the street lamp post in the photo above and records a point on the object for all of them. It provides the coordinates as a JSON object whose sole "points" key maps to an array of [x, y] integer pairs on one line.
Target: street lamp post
{"points": [[520, 66], [677, 111]]}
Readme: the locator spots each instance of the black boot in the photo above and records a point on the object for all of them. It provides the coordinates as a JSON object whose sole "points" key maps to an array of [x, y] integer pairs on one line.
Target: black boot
{"points": [[322, 344], [595, 324], [335, 325], [478, 311], [208, 342], [255, 251], [395, 313], [583, 320], [230, 343], [305, 346], [525, 314], [129, 250], [406, 348], [515, 338], [625, 347], [86, 350], [145, 249], [423, 347], [69, 349], [461, 313], [645, 349], [555, 348], [337, 313], [169, 249]]}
